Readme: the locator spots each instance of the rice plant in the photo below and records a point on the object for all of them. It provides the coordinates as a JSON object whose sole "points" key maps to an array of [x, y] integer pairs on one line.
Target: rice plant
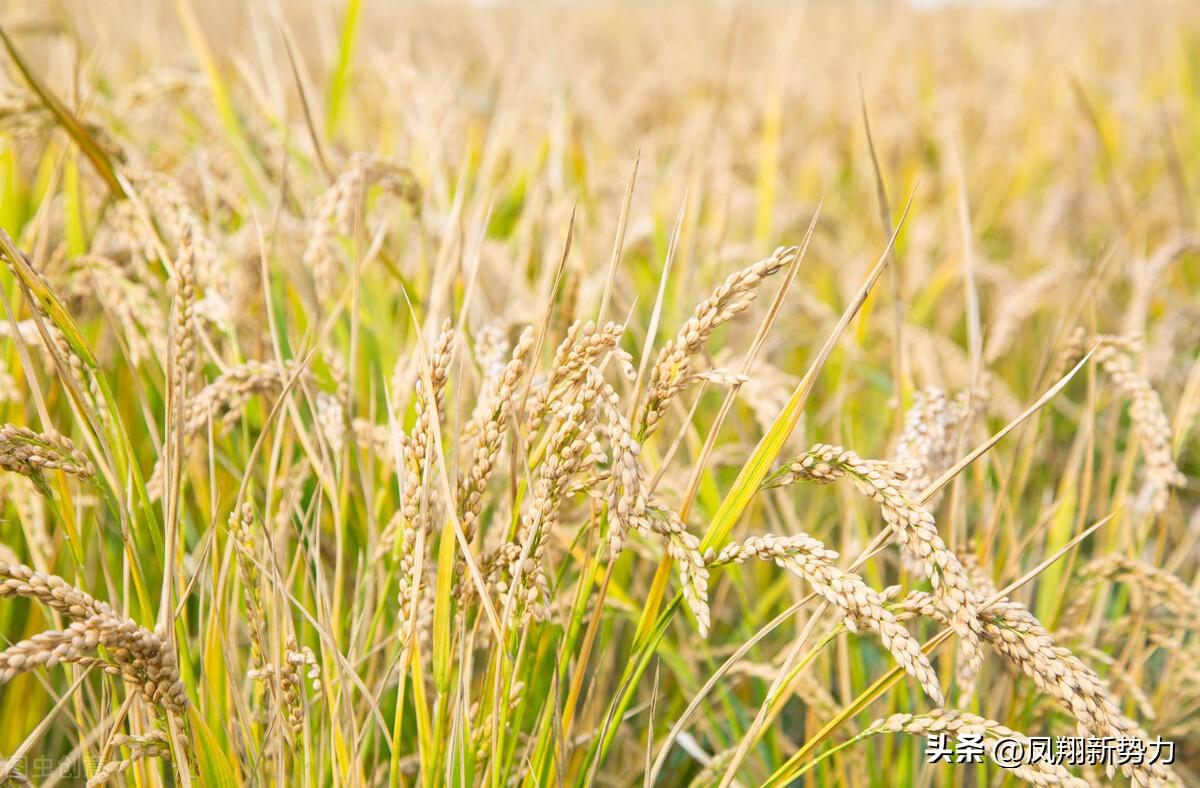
{"points": [[599, 394]]}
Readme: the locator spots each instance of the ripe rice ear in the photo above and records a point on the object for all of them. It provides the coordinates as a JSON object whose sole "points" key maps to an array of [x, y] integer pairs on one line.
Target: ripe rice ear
{"points": [[1016, 634], [912, 524], [862, 606], [1115, 356], [143, 658], [672, 369]]}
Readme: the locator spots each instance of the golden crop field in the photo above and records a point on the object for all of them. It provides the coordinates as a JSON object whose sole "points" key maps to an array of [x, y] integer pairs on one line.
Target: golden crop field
{"points": [[599, 393]]}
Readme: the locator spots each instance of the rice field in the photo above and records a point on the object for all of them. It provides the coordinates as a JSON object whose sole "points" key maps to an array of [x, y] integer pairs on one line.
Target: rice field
{"points": [[665, 394]]}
